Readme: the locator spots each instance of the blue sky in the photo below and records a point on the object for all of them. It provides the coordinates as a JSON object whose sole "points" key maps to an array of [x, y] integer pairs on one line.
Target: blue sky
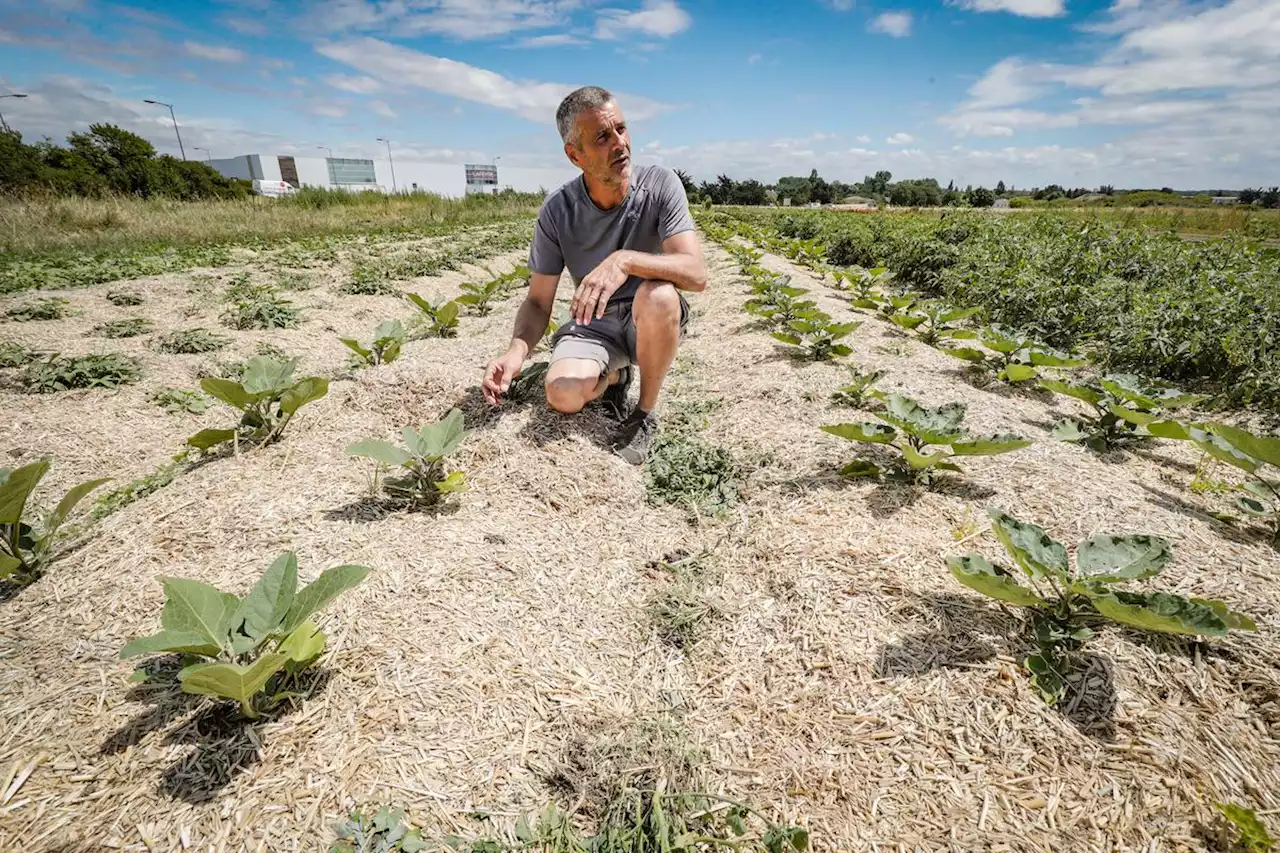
{"points": [[1134, 93]]}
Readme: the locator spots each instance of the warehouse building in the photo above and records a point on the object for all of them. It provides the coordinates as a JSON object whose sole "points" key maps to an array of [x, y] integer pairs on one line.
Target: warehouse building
{"points": [[449, 179]]}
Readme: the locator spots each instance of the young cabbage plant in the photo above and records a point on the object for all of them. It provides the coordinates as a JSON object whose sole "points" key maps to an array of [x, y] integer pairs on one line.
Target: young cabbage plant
{"points": [[859, 389], [267, 395], [388, 338], [1013, 357], [818, 336], [1067, 604], [927, 438], [1250, 453], [438, 320], [247, 650], [27, 546], [1126, 409], [932, 322], [424, 482]]}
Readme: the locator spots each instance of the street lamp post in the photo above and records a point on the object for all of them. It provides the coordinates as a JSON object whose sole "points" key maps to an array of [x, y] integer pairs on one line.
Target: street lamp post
{"points": [[4, 123], [208, 156], [326, 148], [175, 123], [394, 187]]}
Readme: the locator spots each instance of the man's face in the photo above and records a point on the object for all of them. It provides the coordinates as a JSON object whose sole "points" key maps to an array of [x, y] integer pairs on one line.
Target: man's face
{"points": [[603, 150]]}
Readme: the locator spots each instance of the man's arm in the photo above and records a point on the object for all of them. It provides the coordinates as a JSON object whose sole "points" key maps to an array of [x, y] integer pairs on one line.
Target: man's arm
{"points": [[531, 325], [680, 263]]}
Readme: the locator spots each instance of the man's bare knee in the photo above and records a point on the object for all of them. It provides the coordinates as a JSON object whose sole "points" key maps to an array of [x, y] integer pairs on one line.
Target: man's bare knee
{"points": [[568, 395], [657, 302]]}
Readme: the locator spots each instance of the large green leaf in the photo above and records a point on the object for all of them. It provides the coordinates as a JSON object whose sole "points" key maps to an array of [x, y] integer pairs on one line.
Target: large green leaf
{"points": [[1003, 340], [861, 468], [389, 330], [957, 314], [839, 330], [788, 338], [1236, 621], [456, 481], [1168, 429], [183, 642], [271, 597], [1160, 611], [265, 376], [207, 438], [447, 313], [989, 445], [354, 346], [71, 498], [191, 605], [331, 583], [868, 432], [438, 440], [1068, 429], [229, 392], [941, 425], [303, 646], [908, 321], [1263, 447], [1133, 416], [381, 451], [970, 354], [8, 565], [1031, 547], [923, 461], [1219, 448], [230, 681], [1081, 392], [1015, 372], [1043, 356], [975, 572], [303, 392], [16, 489], [1109, 559]]}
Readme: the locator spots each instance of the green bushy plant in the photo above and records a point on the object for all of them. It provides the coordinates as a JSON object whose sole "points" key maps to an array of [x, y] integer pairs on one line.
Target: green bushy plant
{"points": [[259, 306], [267, 395], [86, 371], [247, 650], [437, 320], [50, 308], [1126, 408], [931, 321], [388, 338], [177, 401], [26, 545], [1012, 357], [192, 342], [1067, 605], [818, 336], [927, 439], [859, 389], [424, 482], [128, 328], [385, 832], [14, 354]]}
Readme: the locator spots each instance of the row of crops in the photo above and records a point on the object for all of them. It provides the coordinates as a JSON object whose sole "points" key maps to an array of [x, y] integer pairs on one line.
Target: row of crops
{"points": [[1205, 314]]}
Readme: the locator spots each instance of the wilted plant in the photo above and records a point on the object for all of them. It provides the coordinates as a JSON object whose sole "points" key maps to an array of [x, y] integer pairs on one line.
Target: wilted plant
{"points": [[1126, 409], [50, 308], [927, 439], [267, 395], [424, 482], [26, 547], [385, 832], [1013, 357], [124, 298], [192, 342], [388, 338], [176, 401], [129, 328], [1067, 605], [932, 322], [441, 320], [86, 371], [818, 336], [247, 650], [859, 389]]}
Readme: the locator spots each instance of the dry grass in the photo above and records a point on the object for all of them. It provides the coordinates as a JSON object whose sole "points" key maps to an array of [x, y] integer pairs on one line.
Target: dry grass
{"points": [[503, 651]]}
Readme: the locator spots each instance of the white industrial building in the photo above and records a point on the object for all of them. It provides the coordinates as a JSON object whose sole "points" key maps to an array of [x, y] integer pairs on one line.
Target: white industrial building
{"points": [[448, 179]]}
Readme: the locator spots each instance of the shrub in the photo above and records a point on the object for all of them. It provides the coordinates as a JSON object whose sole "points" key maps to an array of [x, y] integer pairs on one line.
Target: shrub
{"points": [[1066, 605], [424, 482], [51, 308], [86, 371], [267, 395], [129, 328], [192, 342], [26, 551], [247, 650]]}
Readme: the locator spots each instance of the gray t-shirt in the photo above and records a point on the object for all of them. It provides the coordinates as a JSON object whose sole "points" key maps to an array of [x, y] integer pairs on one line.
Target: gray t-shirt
{"points": [[572, 231]]}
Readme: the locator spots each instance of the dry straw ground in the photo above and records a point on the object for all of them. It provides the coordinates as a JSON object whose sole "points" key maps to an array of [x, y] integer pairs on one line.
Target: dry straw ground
{"points": [[502, 654]]}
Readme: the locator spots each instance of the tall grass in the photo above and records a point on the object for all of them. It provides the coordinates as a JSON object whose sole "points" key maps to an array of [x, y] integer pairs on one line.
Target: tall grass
{"points": [[37, 226]]}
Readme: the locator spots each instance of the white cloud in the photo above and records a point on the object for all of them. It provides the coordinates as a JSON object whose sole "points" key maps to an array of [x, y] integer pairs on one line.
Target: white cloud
{"points": [[536, 101], [662, 18], [896, 24], [381, 108], [862, 139], [754, 58], [246, 26], [839, 5], [900, 138], [213, 52], [357, 85], [553, 40], [328, 110], [459, 19], [1024, 8]]}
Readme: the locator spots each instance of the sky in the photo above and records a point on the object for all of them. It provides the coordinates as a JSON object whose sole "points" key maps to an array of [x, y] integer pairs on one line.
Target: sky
{"points": [[1138, 93]]}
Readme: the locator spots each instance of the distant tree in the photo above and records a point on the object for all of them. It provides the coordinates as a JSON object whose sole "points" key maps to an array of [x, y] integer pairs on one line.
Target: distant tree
{"points": [[1000, 190], [795, 188], [1270, 198], [1107, 189], [981, 197], [689, 186], [1167, 190], [749, 192], [876, 185], [819, 190], [1249, 196]]}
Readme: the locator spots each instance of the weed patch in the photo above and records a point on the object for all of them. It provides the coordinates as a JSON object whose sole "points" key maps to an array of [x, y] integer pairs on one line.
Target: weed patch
{"points": [[87, 371], [689, 472], [51, 308], [178, 401], [129, 328], [192, 342], [124, 298]]}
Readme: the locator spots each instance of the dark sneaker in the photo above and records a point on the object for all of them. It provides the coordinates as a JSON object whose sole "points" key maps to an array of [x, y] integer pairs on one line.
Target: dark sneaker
{"points": [[635, 436], [614, 397]]}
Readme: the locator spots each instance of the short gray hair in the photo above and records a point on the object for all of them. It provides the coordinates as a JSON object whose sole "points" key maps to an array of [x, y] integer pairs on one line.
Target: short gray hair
{"points": [[575, 104]]}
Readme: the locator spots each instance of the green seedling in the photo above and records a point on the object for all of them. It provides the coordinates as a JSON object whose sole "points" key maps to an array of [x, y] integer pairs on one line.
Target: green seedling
{"points": [[818, 336], [529, 382], [385, 832], [388, 338], [129, 328], [932, 322], [267, 395], [1067, 605], [248, 650], [860, 389], [177, 401], [424, 482], [1249, 452], [1126, 409], [14, 354], [1252, 834], [478, 295], [27, 546], [1013, 357], [192, 342], [927, 439], [440, 320]]}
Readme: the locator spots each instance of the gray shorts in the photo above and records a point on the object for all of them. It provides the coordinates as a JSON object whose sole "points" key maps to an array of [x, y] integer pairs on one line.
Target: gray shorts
{"points": [[609, 341]]}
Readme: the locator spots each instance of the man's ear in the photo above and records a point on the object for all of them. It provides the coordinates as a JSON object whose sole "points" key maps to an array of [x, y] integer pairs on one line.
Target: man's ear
{"points": [[571, 151]]}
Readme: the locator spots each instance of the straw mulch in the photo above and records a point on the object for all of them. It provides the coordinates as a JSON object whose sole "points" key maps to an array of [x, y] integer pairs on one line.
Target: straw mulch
{"points": [[501, 654]]}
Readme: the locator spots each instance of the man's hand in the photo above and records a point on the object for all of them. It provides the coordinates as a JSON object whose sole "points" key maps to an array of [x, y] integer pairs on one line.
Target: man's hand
{"points": [[500, 372], [592, 295]]}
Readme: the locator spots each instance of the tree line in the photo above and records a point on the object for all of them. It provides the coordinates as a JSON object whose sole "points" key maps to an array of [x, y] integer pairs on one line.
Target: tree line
{"points": [[104, 161]]}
